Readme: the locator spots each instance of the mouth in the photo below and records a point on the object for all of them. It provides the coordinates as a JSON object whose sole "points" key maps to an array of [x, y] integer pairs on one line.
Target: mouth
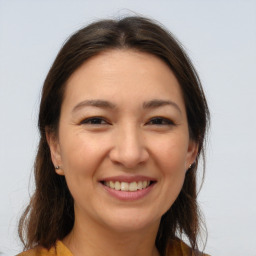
{"points": [[128, 186]]}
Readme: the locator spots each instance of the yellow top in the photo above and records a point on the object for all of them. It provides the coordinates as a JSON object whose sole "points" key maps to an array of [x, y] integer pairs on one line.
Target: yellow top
{"points": [[58, 250], [178, 248]]}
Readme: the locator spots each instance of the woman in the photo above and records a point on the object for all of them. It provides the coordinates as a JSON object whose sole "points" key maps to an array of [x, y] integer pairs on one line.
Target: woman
{"points": [[122, 122]]}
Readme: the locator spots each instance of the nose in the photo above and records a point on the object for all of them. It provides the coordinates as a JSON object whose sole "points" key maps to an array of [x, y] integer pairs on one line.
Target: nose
{"points": [[129, 148]]}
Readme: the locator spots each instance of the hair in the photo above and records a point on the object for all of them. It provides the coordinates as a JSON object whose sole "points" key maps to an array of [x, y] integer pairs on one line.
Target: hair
{"points": [[50, 213]]}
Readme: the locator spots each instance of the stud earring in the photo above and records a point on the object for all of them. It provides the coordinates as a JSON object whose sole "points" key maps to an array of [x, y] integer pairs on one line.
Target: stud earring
{"points": [[57, 167]]}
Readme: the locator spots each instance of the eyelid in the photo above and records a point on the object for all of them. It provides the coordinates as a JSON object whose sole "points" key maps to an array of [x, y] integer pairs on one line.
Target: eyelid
{"points": [[87, 120], [99, 120], [167, 121]]}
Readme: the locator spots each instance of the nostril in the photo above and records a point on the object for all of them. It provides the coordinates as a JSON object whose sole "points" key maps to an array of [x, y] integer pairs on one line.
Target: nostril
{"points": [[129, 158]]}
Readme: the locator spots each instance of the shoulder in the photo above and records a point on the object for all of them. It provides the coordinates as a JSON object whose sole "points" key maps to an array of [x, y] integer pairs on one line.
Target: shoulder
{"points": [[39, 251], [178, 248], [58, 250]]}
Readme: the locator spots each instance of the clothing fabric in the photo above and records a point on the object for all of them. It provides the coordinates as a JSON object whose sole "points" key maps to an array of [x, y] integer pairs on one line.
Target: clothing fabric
{"points": [[58, 250], [177, 248]]}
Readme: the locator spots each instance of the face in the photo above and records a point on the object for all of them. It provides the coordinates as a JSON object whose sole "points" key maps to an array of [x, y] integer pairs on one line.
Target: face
{"points": [[123, 142]]}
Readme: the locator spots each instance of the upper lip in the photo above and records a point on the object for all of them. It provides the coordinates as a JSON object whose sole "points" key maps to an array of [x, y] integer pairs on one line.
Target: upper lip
{"points": [[125, 178]]}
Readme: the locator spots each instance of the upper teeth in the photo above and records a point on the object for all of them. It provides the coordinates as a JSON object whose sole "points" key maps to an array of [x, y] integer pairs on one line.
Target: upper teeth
{"points": [[126, 186]]}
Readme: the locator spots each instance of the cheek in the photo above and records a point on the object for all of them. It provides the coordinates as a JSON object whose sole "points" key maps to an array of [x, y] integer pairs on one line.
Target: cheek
{"points": [[170, 153], [170, 158], [81, 154]]}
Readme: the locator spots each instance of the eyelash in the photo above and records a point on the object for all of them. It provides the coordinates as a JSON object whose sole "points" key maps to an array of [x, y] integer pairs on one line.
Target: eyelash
{"points": [[94, 121], [160, 121], [163, 121]]}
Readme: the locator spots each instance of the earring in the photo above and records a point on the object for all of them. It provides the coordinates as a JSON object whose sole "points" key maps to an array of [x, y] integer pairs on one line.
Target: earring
{"points": [[57, 167]]}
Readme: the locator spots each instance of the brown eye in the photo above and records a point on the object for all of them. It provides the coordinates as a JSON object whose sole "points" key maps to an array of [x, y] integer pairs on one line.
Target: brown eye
{"points": [[160, 121], [94, 121]]}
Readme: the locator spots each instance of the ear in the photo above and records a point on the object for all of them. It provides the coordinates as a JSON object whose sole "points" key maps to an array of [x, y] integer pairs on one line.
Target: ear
{"points": [[54, 146], [191, 153]]}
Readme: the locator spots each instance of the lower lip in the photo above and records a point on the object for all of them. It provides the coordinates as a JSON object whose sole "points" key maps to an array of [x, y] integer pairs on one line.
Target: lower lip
{"points": [[129, 195]]}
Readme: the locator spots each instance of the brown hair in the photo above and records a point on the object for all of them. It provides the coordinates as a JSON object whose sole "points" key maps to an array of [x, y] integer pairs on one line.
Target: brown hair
{"points": [[50, 213]]}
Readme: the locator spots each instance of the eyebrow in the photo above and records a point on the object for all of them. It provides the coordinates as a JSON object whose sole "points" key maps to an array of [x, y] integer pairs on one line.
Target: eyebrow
{"points": [[94, 103], [156, 103]]}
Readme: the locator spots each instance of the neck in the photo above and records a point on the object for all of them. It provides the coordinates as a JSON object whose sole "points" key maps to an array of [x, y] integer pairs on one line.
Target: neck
{"points": [[94, 240]]}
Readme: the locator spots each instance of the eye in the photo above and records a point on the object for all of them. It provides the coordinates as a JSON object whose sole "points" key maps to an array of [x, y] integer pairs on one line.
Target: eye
{"points": [[160, 121], [94, 121]]}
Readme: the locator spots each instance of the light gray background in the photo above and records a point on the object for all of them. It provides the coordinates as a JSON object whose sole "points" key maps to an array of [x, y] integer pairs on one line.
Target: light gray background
{"points": [[220, 37]]}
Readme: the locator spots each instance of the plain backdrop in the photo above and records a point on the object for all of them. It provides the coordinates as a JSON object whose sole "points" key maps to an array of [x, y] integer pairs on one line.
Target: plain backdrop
{"points": [[219, 36]]}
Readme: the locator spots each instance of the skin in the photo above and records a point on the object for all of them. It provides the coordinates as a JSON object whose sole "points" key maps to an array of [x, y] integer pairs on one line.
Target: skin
{"points": [[135, 135]]}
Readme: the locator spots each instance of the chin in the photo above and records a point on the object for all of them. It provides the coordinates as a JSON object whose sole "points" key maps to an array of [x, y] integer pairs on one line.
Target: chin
{"points": [[129, 221]]}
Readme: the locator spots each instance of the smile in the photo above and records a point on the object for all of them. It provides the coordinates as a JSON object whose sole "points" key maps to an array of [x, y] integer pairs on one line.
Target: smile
{"points": [[127, 186]]}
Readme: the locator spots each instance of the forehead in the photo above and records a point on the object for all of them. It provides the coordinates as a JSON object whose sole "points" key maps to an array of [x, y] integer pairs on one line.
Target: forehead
{"points": [[121, 74]]}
